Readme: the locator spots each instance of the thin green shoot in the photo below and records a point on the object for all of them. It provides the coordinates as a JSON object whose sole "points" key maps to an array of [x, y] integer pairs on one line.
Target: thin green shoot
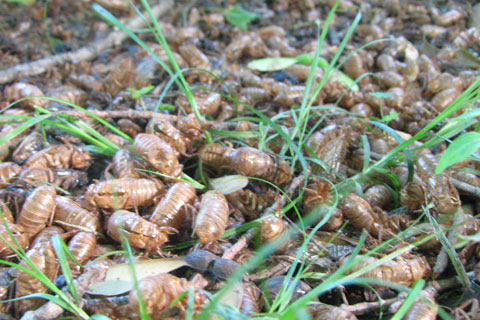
{"points": [[22, 127], [185, 177], [50, 39], [61, 249], [408, 302], [366, 152], [99, 317], [131, 262], [306, 106], [35, 271], [62, 299], [449, 248]]}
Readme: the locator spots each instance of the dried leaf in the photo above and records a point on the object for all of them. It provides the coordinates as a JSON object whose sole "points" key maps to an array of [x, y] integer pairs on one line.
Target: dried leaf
{"points": [[144, 268], [110, 288], [229, 184]]}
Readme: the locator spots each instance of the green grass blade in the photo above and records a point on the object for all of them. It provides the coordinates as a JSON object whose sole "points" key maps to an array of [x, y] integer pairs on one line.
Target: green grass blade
{"points": [[60, 249], [131, 262], [412, 296], [22, 127]]}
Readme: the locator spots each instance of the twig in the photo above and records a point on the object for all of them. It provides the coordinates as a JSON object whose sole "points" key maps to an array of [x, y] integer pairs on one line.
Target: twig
{"points": [[432, 289], [367, 307], [250, 234], [95, 272], [467, 188], [86, 53]]}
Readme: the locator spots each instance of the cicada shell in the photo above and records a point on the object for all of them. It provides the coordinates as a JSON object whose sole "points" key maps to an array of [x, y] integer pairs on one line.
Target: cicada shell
{"points": [[447, 18], [360, 214], [445, 81], [37, 209], [30, 145], [194, 57], [18, 233], [8, 172], [248, 78], [386, 62], [272, 286], [253, 162], [123, 165], [140, 233], [251, 302], [181, 35], [20, 90], [466, 177], [37, 177], [293, 95], [124, 193], [60, 156], [167, 131], [253, 94], [330, 145], [328, 312], [170, 212], [441, 190], [43, 256], [129, 127], [418, 232], [369, 33], [316, 201], [119, 141], [251, 203], [391, 79], [7, 146], [237, 47], [159, 291], [422, 310], [43, 238], [378, 195], [362, 110], [355, 67], [413, 195], [281, 44], [81, 246], [404, 271], [212, 217], [73, 217], [207, 102], [444, 98], [271, 31], [215, 155], [69, 179], [158, 153], [273, 229], [190, 127]]}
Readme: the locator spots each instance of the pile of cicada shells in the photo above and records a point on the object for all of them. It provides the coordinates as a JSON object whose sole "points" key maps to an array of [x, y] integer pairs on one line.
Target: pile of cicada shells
{"points": [[52, 185]]}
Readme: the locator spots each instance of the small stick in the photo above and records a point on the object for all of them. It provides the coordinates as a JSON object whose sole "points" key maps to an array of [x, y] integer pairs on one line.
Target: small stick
{"points": [[86, 53], [432, 289], [367, 307], [95, 272]]}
